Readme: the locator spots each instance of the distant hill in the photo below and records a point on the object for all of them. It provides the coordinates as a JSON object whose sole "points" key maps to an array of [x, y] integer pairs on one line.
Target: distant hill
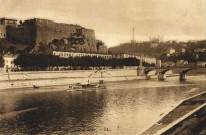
{"points": [[155, 49], [139, 49]]}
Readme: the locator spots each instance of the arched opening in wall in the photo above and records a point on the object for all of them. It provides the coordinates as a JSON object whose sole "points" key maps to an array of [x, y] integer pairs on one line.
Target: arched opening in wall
{"points": [[4, 35], [57, 29]]}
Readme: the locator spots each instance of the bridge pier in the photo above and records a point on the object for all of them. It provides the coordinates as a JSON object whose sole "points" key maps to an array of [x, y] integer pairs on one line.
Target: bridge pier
{"points": [[161, 76], [183, 76]]}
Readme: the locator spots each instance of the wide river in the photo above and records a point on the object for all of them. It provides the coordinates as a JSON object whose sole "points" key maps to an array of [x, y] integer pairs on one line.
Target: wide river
{"points": [[123, 108]]}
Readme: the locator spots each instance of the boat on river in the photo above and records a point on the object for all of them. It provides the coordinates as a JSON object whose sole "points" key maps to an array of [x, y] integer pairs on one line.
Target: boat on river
{"points": [[87, 86]]}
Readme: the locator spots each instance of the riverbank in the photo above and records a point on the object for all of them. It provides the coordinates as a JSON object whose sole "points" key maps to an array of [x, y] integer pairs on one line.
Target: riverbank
{"points": [[15, 80], [187, 117], [49, 78]]}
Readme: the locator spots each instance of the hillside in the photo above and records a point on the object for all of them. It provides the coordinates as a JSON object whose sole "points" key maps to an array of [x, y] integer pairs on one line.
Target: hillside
{"points": [[12, 46], [159, 49]]}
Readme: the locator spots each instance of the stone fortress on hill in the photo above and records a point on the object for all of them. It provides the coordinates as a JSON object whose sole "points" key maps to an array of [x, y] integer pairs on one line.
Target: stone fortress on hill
{"points": [[56, 36]]}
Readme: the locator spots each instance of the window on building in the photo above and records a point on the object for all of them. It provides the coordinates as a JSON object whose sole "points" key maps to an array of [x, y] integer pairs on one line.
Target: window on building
{"points": [[57, 29]]}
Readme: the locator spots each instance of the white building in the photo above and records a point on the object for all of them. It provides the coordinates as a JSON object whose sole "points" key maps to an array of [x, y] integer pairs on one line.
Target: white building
{"points": [[150, 60], [80, 54], [124, 55], [9, 62], [105, 56], [144, 58]]}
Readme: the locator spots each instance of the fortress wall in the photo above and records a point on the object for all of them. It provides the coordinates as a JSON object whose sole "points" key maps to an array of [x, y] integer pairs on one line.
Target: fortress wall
{"points": [[91, 39], [90, 33], [2, 31], [44, 31], [47, 32], [16, 34], [30, 32]]}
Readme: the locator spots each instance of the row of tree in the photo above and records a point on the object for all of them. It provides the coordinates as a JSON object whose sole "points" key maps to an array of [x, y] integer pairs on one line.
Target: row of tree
{"points": [[41, 62]]}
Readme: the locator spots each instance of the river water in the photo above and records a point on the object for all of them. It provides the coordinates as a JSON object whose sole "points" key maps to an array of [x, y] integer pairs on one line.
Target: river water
{"points": [[123, 108]]}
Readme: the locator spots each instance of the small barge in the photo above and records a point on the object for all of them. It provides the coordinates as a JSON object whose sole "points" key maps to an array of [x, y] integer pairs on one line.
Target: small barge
{"points": [[87, 86]]}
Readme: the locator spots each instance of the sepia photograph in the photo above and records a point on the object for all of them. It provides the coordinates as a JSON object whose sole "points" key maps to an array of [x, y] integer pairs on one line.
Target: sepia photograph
{"points": [[102, 67]]}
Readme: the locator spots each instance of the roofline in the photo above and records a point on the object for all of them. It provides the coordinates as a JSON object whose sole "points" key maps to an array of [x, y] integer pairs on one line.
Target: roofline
{"points": [[83, 52], [8, 19]]}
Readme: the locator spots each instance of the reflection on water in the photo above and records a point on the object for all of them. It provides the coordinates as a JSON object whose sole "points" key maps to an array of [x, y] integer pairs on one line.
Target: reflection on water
{"points": [[124, 107]]}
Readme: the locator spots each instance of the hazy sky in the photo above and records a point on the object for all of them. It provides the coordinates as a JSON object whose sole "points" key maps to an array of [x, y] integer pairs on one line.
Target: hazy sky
{"points": [[113, 20]]}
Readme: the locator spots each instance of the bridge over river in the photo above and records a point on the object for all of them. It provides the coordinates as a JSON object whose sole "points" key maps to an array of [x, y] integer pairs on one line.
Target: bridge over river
{"points": [[161, 72]]}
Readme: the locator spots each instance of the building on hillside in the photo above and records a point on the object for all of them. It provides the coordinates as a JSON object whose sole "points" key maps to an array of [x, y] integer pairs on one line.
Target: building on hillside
{"points": [[183, 50], [153, 45], [9, 62], [150, 60], [143, 58], [201, 63], [65, 54], [181, 63], [124, 55], [170, 51], [200, 50], [157, 39], [168, 64]]}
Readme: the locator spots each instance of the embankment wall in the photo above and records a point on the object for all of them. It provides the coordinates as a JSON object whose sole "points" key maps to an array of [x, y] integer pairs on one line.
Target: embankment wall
{"points": [[48, 78]]}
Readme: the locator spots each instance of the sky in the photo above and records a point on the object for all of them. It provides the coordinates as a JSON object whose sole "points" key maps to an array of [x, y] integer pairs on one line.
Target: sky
{"points": [[113, 20]]}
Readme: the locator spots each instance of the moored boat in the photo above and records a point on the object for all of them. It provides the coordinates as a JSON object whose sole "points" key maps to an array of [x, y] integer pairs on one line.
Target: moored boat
{"points": [[81, 86]]}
